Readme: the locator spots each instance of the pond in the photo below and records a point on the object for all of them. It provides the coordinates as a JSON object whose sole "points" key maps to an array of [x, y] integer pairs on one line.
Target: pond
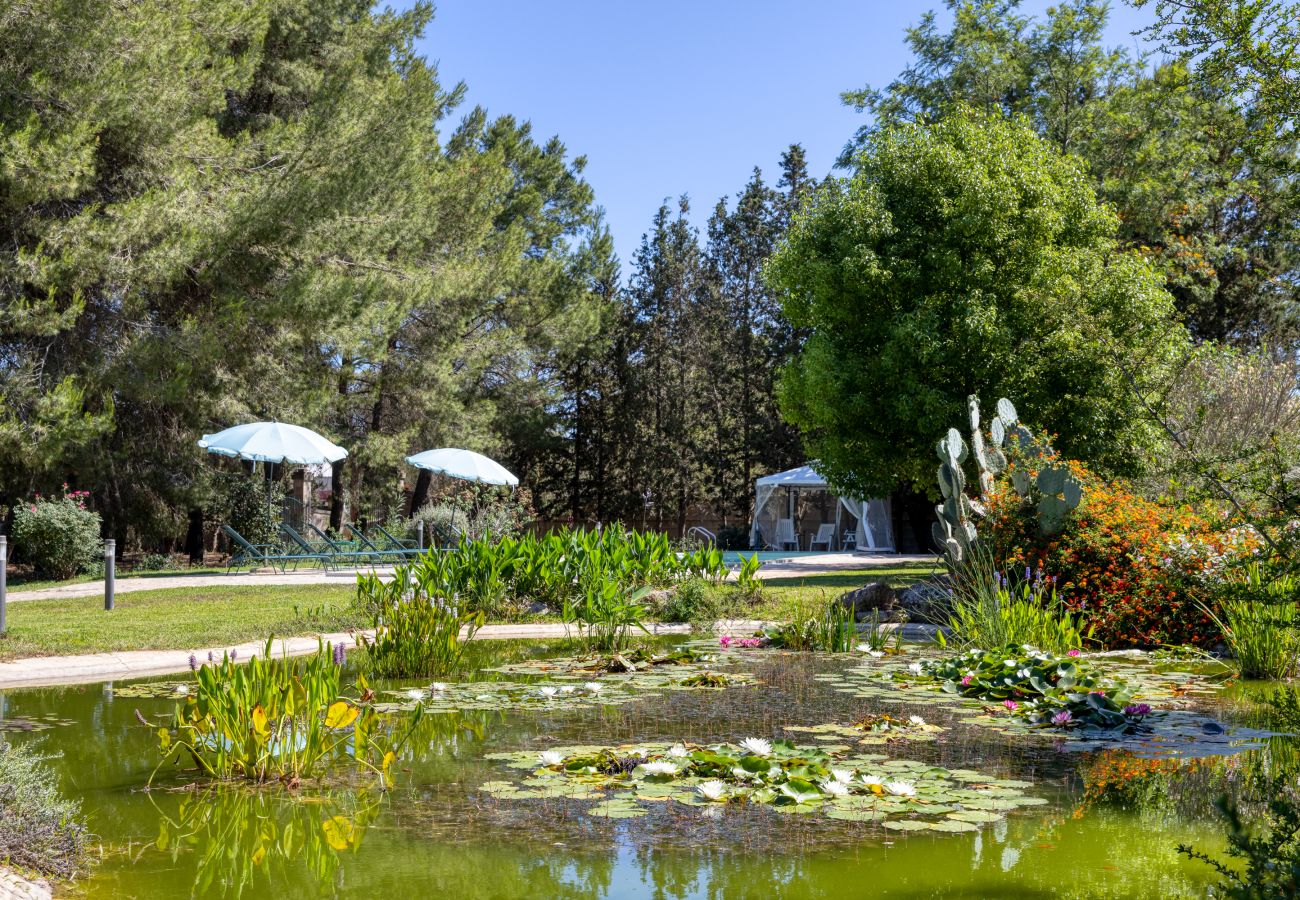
{"points": [[437, 832]]}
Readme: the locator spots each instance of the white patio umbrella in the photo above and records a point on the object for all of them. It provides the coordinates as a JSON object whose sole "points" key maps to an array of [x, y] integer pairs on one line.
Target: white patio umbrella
{"points": [[272, 442], [465, 464]]}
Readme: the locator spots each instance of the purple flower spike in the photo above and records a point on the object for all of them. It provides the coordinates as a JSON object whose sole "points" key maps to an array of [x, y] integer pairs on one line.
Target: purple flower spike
{"points": [[1029, 573], [234, 654], [211, 658], [1062, 719], [1137, 710], [340, 654], [194, 663]]}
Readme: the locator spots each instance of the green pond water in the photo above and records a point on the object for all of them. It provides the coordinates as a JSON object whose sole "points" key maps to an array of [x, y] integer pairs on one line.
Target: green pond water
{"points": [[437, 834]]}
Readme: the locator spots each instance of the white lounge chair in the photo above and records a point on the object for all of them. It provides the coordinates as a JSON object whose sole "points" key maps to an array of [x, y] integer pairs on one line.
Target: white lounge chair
{"points": [[825, 537], [785, 534], [849, 540]]}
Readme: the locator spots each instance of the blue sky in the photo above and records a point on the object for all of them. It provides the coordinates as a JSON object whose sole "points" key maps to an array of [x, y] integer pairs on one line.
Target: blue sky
{"points": [[682, 97]]}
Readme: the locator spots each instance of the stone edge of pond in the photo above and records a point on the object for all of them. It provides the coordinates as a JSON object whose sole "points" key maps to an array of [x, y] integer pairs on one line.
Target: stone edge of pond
{"points": [[15, 887], [48, 671]]}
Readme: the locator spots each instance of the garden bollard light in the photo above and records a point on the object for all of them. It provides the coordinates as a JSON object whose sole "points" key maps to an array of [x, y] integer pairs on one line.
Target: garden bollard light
{"points": [[4, 566], [419, 532], [110, 546]]}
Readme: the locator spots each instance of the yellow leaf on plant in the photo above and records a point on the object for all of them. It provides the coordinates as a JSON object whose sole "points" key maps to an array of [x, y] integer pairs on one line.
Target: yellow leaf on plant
{"points": [[339, 832], [388, 760], [341, 715], [259, 854], [259, 721]]}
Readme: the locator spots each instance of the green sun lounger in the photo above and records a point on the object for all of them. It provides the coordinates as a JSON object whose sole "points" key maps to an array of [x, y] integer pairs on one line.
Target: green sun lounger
{"points": [[246, 553]]}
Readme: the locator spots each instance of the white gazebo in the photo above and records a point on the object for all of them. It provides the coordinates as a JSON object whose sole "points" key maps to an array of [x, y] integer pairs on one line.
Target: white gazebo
{"points": [[809, 502]]}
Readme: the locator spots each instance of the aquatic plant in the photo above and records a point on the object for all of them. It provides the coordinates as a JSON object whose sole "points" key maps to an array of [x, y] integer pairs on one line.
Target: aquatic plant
{"points": [[275, 720], [748, 584], [41, 831], [502, 576], [605, 614], [416, 631], [830, 628], [990, 608], [1257, 614], [1038, 687], [901, 795]]}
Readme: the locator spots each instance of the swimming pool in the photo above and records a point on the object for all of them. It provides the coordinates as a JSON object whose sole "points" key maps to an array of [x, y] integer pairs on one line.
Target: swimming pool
{"points": [[734, 557]]}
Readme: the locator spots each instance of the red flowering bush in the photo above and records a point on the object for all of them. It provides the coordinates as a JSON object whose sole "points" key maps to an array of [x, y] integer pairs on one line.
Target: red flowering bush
{"points": [[1112, 562], [57, 536]]}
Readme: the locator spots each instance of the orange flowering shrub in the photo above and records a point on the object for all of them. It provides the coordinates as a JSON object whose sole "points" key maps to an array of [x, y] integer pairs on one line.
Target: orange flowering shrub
{"points": [[1112, 562]]}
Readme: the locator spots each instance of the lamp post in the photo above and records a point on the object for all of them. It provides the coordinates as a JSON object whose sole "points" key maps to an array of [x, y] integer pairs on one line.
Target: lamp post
{"points": [[110, 552], [4, 573]]}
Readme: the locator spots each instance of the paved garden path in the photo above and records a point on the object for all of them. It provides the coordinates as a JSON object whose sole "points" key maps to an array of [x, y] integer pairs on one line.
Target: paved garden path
{"points": [[15, 887], [798, 567]]}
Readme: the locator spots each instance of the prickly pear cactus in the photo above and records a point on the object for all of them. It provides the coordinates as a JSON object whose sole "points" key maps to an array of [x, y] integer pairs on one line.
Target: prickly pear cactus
{"points": [[955, 531]]}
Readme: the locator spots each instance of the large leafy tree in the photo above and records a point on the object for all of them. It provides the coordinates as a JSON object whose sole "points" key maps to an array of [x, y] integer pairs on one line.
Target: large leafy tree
{"points": [[964, 257], [1199, 169], [222, 210]]}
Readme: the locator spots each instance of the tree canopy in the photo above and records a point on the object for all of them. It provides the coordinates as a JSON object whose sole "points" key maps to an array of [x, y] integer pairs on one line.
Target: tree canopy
{"points": [[228, 210], [963, 257]]}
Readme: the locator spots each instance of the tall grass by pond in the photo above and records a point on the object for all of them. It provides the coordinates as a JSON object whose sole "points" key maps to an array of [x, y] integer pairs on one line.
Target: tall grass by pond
{"points": [[1257, 614], [276, 720], [989, 608], [417, 628]]}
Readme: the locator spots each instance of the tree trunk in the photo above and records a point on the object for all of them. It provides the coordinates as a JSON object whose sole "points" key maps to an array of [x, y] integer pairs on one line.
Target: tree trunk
{"points": [[194, 536]]}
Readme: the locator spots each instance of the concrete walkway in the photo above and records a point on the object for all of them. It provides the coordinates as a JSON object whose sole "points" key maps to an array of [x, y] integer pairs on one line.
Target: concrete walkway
{"points": [[15, 887], [43, 671], [797, 567]]}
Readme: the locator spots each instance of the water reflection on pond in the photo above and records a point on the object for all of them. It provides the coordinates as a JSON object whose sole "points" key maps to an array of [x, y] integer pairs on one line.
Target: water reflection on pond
{"points": [[1109, 829]]}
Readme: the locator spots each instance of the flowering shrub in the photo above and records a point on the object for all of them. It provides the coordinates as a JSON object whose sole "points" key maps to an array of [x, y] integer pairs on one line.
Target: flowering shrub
{"points": [[59, 537], [1132, 567]]}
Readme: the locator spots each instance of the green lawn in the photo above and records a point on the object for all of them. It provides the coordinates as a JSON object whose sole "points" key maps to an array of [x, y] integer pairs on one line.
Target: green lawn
{"points": [[781, 596], [179, 618], [174, 618]]}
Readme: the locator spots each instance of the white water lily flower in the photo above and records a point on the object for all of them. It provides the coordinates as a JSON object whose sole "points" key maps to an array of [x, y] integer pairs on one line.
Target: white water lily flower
{"points": [[843, 776], [548, 691], [916, 720], [568, 689], [182, 689], [640, 751], [438, 686], [592, 686], [757, 746], [660, 768], [740, 774], [713, 790], [870, 780], [900, 788], [415, 693], [915, 668], [875, 654], [833, 788], [551, 757], [678, 751]]}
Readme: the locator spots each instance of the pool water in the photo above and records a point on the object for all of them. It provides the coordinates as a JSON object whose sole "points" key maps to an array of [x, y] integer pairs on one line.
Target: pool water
{"points": [[437, 834]]}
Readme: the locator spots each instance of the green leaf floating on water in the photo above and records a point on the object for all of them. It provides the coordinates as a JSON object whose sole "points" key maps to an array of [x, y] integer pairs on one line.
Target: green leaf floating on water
{"points": [[865, 788]]}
